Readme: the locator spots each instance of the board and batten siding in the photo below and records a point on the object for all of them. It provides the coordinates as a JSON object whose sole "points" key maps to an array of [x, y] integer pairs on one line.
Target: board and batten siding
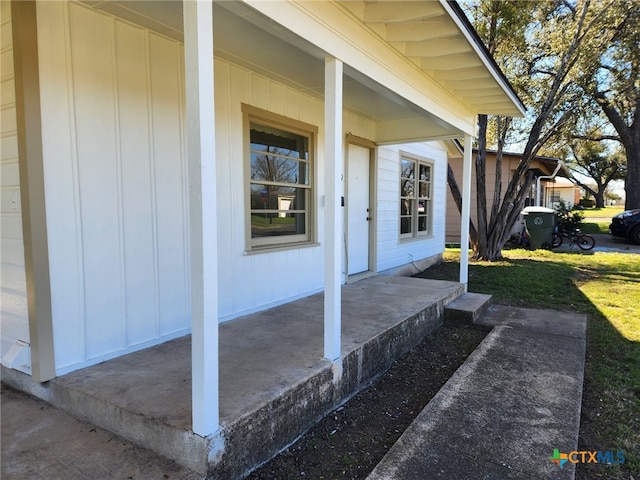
{"points": [[393, 252], [14, 319], [256, 281], [114, 156], [117, 208]]}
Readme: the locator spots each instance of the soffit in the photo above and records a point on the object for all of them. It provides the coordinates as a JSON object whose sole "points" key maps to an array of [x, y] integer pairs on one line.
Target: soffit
{"points": [[422, 32], [431, 35]]}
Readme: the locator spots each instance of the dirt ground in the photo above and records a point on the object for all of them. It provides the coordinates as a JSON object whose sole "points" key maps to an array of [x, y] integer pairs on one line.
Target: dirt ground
{"points": [[351, 441]]}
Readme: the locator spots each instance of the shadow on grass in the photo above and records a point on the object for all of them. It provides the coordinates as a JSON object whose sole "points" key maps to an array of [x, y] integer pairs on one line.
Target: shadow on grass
{"points": [[610, 417]]}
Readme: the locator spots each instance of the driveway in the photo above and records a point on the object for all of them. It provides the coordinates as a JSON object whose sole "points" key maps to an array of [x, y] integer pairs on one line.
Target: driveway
{"points": [[607, 243]]}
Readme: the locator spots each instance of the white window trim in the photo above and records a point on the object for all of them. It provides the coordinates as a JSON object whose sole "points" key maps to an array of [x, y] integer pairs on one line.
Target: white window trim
{"points": [[415, 234], [269, 244]]}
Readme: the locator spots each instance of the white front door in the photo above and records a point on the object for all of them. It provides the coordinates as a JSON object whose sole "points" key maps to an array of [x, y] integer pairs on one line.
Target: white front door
{"points": [[357, 205]]}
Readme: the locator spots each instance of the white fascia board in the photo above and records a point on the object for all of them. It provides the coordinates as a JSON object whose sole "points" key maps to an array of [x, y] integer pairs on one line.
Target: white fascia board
{"points": [[508, 90], [338, 33]]}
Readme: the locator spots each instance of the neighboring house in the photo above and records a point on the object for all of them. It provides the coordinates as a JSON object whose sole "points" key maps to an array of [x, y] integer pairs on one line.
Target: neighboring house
{"points": [[163, 172], [541, 166], [558, 190]]}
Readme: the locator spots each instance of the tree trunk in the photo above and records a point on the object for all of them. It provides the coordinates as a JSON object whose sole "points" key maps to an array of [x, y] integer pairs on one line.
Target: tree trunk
{"points": [[457, 197], [630, 139], [600, 198], [480, 245], [632, 180]]}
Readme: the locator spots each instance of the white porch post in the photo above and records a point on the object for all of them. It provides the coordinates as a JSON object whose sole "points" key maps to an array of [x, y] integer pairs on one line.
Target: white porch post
{"points": [[32, 194], [466, 211], [198, 53], [333, 151]]}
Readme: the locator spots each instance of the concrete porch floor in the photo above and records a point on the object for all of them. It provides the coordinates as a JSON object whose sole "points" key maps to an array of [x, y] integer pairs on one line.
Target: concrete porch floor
{"points": [[274, 383]]}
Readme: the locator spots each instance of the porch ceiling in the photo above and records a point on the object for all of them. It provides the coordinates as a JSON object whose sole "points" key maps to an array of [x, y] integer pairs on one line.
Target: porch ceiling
{"points": [[425, 33]]}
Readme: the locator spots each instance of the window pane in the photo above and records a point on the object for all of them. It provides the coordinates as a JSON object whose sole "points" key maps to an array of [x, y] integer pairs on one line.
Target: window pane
{"points": [[406, 215], [279, 185], [424, 189], [288, 144], [277, 224], [406, 206], [275, 168], [422, 223], [406, 187], [407, 168], [274, 197], [405, 225], [425, 172]]}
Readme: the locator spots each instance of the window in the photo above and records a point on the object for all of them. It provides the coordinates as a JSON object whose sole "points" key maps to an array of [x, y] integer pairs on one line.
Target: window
{"points": [[280, 181], [415, 197]]}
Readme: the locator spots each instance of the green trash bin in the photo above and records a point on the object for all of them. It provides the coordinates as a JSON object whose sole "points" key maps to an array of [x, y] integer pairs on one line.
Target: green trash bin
{"points": [[540, 223]]}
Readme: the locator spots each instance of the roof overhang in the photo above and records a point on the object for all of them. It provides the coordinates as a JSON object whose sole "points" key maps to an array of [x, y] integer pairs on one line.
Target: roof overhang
{"points": [[415, 68], [549, 165], [438, 38]]}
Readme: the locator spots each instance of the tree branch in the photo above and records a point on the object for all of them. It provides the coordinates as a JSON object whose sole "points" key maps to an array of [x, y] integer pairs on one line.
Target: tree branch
{"points": [[596, 138]]}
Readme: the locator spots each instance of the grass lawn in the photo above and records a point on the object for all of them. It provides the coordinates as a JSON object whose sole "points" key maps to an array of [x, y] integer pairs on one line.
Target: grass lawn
{"points": [[598, 225], [602, 212], [606, 287], [595, 227]]}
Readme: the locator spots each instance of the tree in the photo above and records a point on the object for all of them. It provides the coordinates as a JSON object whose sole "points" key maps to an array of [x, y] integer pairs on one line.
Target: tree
{"points": [[591, 160], [538, 45], [612, 78], [274, 166]]}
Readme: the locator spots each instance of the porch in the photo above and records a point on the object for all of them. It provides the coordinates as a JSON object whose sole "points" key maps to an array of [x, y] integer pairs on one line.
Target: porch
{"points": [[274, 383]]}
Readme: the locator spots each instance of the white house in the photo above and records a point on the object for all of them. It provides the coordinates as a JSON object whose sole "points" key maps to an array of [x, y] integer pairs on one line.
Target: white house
{"points": [[170, 165], [561, 190]]}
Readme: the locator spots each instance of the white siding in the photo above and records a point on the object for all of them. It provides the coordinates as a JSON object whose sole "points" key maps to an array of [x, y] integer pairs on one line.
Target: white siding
{"points": [[14, 320], [254, 282], [391, 251], [117, 211], [112, 115]]}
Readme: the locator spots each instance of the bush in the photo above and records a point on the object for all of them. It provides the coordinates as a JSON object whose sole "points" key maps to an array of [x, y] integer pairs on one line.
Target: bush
{"points": [[587, 203], [567, 219]]}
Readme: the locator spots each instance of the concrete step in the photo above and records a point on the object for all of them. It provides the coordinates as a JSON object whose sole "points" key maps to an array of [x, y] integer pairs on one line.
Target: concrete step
{"points": [[467, 308], [514, 401]]}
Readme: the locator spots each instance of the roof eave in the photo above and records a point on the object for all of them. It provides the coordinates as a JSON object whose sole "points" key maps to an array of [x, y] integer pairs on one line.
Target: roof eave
{"points": [[458, 16]]}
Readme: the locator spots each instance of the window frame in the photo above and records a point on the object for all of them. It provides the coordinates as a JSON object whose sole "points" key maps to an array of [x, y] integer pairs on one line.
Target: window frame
{"points": [[254, 115], [427, 200]]}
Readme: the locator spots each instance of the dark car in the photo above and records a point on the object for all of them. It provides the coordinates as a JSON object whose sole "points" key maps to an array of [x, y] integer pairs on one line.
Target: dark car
{"points": [[626, 225]]}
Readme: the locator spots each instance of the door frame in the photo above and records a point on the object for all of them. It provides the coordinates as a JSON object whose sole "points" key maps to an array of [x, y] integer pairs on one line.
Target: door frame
{"points": [[373, 214]]}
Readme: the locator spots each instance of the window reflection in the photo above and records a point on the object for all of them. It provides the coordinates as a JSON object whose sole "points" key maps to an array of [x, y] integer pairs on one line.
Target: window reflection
{"points": [[280, 182], [415, 197]]}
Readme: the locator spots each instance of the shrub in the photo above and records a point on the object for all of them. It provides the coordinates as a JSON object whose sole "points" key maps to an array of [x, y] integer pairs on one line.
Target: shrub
{"points": [[567, 219]]}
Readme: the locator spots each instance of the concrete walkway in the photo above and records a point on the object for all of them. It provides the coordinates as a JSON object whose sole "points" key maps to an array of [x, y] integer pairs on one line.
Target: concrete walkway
{"points": [[40, 441], [502, 414]]}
